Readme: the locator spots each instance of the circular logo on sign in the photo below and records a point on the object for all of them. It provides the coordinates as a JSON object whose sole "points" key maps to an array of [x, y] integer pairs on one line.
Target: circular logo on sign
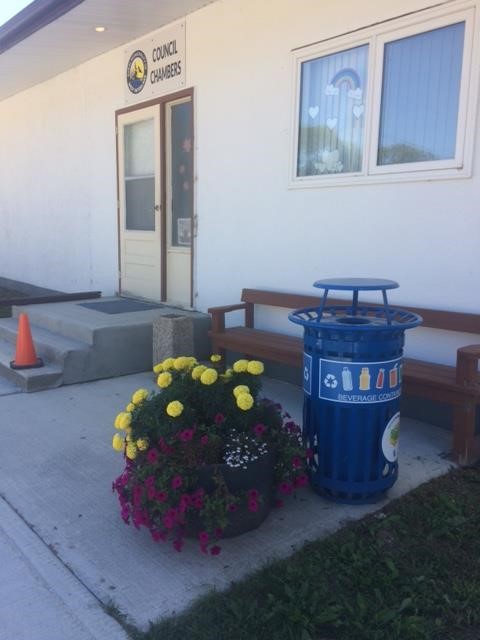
{"points": [[137, 71], [390, 438]]}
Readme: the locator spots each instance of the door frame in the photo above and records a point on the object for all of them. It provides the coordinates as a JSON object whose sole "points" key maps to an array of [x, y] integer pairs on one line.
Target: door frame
{"points": [[161, 103]]}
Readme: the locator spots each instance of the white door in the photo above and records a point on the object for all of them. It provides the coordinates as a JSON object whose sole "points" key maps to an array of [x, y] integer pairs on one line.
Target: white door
{"points": [[155, 176], [139, 203]]}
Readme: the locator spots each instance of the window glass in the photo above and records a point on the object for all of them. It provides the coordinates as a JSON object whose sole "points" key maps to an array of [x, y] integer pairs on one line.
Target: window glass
{"points": [[332, 113], [182, 175], [420, 95], [139, 176]]}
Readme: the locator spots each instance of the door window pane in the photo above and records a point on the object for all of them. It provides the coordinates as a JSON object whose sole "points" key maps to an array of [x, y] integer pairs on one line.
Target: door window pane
{"points": [[140, 204], [139, 176], [332, 113], [182, 174], [139, 148], [420, 95]]}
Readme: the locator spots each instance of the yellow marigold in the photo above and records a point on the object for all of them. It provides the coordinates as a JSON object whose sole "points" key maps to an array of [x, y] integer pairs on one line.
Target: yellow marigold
{"points": [[209, 376], [139, 396], [118, 442], [130, 407], [240, 366], [255, 367], [158, 368], [164, 380], [123, 420], [142, 444], [198, 370], [241, 388], [215, 357], [192, 362], [244, 401], [181, 363], [131, 451], [168, 364], [128, 437], [174, 408]]}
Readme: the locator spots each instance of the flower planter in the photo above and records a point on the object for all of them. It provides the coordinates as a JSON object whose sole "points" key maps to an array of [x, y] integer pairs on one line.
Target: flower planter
{"points": [[205, 454], [258, 476]]}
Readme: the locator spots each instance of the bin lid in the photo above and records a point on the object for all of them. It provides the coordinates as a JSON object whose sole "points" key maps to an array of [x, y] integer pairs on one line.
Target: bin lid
{"points": [[356, 284]]}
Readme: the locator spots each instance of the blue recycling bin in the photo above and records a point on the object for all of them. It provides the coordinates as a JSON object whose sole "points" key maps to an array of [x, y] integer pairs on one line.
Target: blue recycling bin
{"points": [[352, 378]]}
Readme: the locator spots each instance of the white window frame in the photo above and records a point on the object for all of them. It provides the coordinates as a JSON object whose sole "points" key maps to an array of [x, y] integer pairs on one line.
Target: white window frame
{"points": [[376, 37]]}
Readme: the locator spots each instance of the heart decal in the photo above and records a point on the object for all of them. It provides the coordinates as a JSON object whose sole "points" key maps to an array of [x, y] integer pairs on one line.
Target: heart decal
{"points": [[313, 112], [358, 110], [331, 123]]}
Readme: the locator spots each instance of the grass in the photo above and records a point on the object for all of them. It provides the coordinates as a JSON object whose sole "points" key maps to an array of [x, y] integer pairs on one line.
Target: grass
{"points": [[410, 572]]}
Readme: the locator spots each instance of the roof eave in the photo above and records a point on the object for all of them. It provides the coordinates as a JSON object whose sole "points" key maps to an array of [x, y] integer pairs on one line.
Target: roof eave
{"points": [[35, 16]]}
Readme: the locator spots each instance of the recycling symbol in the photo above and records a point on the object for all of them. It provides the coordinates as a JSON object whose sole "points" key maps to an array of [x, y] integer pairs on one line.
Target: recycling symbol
{"points": [[330, 381]]}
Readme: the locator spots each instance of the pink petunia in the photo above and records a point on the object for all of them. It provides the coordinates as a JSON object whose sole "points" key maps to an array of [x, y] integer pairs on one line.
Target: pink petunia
{"points": [[232, 507], [178, 544], [204, 440], [301, 481], [253, 494], [185, 499], [177, 482], [259, 428], [286, 488], [198, 503], [296, 462], [219, 418], [186, 435], [215, 550], [152, 456], [158, 535], [203, 537], [161, 496], [252, 505]]}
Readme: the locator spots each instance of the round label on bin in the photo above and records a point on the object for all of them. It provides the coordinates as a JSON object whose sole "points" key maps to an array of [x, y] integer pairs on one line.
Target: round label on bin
{"points": [[391, 437]]}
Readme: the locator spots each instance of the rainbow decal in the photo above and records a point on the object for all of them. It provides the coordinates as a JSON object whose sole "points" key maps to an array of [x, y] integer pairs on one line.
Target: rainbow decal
{"points": [[348, 77]]}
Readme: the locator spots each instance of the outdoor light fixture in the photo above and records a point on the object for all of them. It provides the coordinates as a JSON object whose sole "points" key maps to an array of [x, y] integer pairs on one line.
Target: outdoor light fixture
{"points": [[100, 29]]}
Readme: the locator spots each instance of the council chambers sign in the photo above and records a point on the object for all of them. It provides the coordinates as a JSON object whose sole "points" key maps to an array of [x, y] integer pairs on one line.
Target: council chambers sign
{"points": [[156, 65]]}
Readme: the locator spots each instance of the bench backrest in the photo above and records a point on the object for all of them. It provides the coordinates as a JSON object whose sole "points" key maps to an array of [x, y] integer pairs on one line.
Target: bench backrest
{"points": [[436, 319]]}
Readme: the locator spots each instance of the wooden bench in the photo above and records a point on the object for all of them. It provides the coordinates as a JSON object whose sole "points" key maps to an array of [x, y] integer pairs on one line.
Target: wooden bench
{"points": [[456, 386]]}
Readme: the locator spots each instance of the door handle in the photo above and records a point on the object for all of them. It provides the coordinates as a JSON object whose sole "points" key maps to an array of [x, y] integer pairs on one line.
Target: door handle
{"points": [[156, 207]]}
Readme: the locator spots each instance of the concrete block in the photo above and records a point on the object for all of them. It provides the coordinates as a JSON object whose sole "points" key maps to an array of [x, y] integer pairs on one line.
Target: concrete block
{"points": [[172, 336]]}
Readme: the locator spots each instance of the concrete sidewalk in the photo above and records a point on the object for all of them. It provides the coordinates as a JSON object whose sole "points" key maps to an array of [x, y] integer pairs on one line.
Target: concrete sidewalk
{"points": [[63, 533]]}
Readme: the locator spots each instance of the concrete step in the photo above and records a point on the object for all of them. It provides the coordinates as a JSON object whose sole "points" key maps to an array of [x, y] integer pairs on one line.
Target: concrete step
{"points": [[70, 321], [48, 345], [72, 356], [28, 379]]}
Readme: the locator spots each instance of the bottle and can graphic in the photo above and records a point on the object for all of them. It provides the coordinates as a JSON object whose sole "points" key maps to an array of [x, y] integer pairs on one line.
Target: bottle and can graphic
{"points": [[380, 379], [347, 381], [364, 381], [393, 376]]}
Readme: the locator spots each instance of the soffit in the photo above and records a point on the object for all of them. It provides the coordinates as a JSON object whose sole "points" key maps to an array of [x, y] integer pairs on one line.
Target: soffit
{"points": [[71, 39]]}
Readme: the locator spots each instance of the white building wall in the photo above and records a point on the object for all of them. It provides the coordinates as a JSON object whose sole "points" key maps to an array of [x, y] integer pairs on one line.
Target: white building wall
{"points": [[58, 189]]}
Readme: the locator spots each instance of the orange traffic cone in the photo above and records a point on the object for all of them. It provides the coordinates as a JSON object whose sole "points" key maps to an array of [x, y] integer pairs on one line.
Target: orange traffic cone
{"points": [[25, 355]]}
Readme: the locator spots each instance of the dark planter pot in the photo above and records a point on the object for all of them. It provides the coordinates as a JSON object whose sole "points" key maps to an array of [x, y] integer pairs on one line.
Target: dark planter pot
{"points": [[258, 475]]}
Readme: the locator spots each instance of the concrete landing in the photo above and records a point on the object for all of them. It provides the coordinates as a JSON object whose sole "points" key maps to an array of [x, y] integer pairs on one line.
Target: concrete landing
{"points": [[56, 470], [79, 344]]}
